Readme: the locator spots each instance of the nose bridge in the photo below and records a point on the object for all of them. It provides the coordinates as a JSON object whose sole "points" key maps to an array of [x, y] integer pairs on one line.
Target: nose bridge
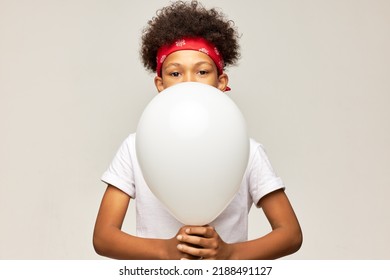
{"points": [[189, 76]]}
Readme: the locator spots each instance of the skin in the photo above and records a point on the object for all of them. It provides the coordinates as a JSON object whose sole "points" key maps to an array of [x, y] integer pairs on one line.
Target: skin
{"points": [[190, 66], [194, 242]]}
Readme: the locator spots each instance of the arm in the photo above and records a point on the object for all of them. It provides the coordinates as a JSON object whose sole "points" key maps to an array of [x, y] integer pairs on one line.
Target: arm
{"points": [[110, 241], [284, 239]]}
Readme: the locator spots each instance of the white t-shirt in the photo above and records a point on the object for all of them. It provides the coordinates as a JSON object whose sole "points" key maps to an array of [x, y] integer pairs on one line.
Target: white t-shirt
{"points": [[154, 221]]}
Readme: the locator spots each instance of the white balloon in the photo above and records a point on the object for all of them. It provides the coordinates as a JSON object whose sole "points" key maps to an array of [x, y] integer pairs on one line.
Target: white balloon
{"points": [[193, 148]]}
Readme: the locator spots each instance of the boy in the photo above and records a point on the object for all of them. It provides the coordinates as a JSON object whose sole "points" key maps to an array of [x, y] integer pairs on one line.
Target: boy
{"points": [[186, 42]]}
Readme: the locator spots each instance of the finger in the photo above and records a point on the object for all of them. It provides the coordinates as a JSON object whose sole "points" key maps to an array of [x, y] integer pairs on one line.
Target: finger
{"points": [[205, 231], [199, 241], [194, 252], [184, 255], [192, 240]]}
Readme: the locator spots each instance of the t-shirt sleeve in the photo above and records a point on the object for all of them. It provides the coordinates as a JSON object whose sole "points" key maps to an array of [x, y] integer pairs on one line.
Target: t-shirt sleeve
{"points": [[120, 172], [262, 178]]}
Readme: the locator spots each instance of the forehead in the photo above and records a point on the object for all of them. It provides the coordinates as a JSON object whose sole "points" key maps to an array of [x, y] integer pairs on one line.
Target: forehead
{"points": [[188, 57]]}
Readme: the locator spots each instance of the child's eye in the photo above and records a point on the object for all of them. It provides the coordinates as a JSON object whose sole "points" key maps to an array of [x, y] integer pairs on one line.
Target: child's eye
{"points": [[174, 74], [203, 72]]}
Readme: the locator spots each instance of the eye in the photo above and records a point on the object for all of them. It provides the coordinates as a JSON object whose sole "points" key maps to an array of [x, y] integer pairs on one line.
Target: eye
{"points": [[203, 72], [174, 74]]}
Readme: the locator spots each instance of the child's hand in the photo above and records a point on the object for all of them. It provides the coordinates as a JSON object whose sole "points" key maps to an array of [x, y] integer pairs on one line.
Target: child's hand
{"points": [[171, 248], [202, 242]]}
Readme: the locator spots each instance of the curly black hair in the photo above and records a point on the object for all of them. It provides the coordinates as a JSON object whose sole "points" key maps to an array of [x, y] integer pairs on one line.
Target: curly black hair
{"points": [[182, 19]]}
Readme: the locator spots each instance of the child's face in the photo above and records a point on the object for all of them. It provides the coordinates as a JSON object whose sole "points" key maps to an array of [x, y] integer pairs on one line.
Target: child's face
{"points": [[190, 66]]}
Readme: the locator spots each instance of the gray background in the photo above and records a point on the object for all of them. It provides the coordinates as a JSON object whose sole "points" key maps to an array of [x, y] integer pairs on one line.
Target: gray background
{"points": [[313, 84]]}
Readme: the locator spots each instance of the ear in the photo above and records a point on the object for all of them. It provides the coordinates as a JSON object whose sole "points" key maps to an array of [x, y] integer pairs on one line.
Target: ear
{"points": [[159, 83], [223, 80]]}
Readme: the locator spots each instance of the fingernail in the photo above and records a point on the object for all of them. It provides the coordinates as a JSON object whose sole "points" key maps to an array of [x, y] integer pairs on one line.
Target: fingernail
{"points": [[179, 246], [179, 237]]}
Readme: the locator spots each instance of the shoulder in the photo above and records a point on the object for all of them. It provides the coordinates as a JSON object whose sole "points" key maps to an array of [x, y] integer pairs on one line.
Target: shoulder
{"points": [[254, 144], [258, 157], [131, 138], [255, 149], [129, 142], [127, 148]]}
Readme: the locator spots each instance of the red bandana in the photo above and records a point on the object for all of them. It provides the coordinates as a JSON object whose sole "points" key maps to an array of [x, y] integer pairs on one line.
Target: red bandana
{"points": [[196, 44]]}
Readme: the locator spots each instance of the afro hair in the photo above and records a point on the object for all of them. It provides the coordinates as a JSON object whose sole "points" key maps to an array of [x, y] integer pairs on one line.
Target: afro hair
{"points": [[182, 19]]}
